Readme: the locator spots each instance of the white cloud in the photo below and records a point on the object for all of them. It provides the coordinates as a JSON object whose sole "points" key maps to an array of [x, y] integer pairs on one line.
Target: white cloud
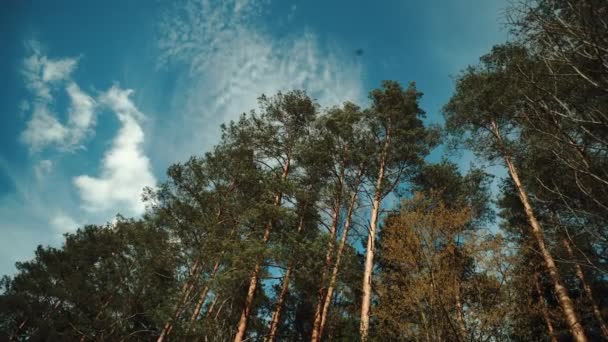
{"points": [[125, 168], [43, 128], [232, 60], [43, 76], [56, 70], [40, 71], [81, 114], [63, 223]]}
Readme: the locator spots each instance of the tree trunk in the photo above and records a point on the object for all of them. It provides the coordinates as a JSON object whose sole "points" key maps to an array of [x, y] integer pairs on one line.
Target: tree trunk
{"points": [[219, 310], [587, 289], [366, 297], [186, 289], [255, 275], [544, 310], [203, 295], [319, 324], [212, 306], [322, 289], [565, 302], [276, 315]]}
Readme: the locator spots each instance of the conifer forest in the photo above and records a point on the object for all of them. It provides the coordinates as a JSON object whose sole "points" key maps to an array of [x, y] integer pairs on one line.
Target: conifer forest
{"points": [[307, 223]]}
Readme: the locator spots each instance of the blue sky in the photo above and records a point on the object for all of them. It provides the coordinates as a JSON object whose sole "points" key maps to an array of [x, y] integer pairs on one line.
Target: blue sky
{"points": [[100, 97]]}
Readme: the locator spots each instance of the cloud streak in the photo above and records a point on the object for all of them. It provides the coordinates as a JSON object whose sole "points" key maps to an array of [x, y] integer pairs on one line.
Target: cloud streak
{"points": [[231, 60]]}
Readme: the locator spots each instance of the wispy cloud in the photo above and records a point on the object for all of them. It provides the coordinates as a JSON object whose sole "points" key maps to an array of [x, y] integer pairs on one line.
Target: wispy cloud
{"points": [[43, 128], [125, 168], [82, 117], [44, 76], [38, 211], [232, 59], [41, 72], [43, 168]]}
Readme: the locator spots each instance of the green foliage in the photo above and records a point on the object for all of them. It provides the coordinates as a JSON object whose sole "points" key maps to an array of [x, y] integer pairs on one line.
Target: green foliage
{"points": [[277, 191]]}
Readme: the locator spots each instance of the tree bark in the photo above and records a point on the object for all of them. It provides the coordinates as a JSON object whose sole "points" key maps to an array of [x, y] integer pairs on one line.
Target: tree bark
{"points": [[366, 297], [276, 315], [544, 310], [186, 289], [255, 275], [203, 295], [322, 289], [212, 306], [587, 289], [565, 302], [325, 303], [366, 289]]}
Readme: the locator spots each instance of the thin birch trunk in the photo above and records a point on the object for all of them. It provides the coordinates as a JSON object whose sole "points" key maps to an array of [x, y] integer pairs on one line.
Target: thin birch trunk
{"points": [[565, 302], [255, 275]]}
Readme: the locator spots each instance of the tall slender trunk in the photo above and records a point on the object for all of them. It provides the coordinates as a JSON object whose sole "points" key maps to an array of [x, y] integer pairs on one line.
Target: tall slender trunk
{"points": [[544, 310], [212, 306], [565, 302], [185, 293], [366, 297], [255, 275], [324, 304], [587, 289], [328, 259], [276, 315], [203, 294], [219, 310]]}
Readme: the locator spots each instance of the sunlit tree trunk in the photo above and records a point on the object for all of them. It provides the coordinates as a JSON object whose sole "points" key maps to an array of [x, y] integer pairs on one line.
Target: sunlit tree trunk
{"points": [[325, 303], [561, 292], [366, 296], [212, 306], [255, 275], [322, 289]]}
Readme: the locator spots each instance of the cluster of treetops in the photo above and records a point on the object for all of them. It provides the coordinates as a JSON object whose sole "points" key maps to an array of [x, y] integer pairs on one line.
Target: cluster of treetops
{"points": [[327, 224]]}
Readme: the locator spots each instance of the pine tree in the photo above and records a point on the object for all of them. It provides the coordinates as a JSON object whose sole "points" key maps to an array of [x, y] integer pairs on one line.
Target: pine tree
{"points": [[395, 126]]}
